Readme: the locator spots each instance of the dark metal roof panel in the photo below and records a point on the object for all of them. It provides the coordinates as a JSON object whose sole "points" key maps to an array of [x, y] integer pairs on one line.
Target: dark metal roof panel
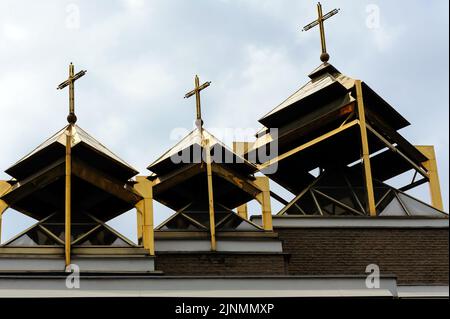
{"points": [[54, 148], [192, 145], [327, 82]]}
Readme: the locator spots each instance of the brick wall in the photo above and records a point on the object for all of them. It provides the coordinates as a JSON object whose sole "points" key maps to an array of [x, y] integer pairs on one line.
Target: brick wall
{"points": [[415, 256], [220, 264]]}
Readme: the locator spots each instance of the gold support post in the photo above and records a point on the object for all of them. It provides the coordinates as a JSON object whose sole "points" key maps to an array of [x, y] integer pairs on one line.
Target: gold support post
{"points": [[205, 144], [305, 146], [139, 222], [212, 221], [264, 199], [68, 229], [68, 191], [145, 213], [365, 150], [322, 28], [72, 119], [243, 211], [4, 188], [71, 89], [433, 176], [197, 98], [240, 148]]}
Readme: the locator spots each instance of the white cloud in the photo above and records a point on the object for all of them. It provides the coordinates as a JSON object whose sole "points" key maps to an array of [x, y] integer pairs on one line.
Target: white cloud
{"points": [[14, 32], [386, 38], [246, 94], [139, 80], [134, 4]]}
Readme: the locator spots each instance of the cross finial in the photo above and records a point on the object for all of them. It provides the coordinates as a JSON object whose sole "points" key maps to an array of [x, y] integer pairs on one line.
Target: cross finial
{"points": [[196, 92], [324, 57], [71, 118]]}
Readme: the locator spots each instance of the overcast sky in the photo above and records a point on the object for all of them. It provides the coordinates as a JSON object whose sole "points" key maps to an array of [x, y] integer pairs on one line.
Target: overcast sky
{"points": [[141, 57]]}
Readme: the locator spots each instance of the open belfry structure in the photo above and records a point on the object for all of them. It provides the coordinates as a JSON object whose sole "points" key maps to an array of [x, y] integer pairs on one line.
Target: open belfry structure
{"points": [[72, 185], [202, 181], [338, 149]]}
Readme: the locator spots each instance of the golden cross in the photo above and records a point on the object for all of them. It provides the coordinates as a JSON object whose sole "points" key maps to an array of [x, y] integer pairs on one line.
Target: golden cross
{"points": [[324, 57], [71, 118], [196, 92]]}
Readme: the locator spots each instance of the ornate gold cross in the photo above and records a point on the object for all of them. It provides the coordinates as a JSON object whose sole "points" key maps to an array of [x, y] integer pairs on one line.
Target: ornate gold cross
{"points": [[71, 118], [324, 57], [196, 92]]}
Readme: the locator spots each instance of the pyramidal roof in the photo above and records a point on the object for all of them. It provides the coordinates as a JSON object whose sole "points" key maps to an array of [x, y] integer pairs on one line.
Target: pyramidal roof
{"points": [[195, 138], [79, 136], [327, 81], [321, 78]]}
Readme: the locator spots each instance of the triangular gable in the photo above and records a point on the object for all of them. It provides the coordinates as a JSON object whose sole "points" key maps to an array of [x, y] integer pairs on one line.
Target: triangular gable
{"points": [[339, 194], [199, 221], [49, 232]]}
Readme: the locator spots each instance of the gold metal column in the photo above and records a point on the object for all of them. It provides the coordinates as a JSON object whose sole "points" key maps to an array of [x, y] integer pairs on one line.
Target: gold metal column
{"points": [[71, 90], [243, 211], [212, 220], [72, 119], [433, 176], [68, 199], [139, 222], [145, 210], [240, 148], [4, 188], [322, 28], [365, 150], [205, 144], [264, 199], [198, 106]]}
